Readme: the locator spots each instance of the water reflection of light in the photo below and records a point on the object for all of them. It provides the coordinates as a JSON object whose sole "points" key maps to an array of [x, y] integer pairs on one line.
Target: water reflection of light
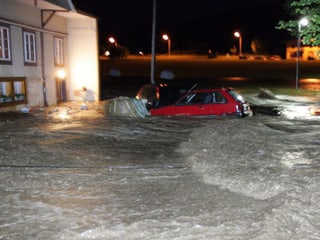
{"points": [[64, 115], [310, 83], [310, 80], [298, 112], [292, 159], [315, 110]]}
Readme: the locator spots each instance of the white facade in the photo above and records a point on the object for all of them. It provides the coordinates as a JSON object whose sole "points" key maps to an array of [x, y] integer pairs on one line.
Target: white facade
{"points": [[64, 40]]}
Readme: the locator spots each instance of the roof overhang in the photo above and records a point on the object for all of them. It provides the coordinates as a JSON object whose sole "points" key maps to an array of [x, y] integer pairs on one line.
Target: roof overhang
{"points": [[63, 8], [58, 5]]}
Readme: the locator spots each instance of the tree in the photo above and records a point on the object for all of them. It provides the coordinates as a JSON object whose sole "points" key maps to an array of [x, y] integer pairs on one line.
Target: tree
{"points": [[258, 46], [299, 9], [117, 51]]}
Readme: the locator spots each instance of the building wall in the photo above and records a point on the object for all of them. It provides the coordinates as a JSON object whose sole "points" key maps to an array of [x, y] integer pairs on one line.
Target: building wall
{"points": [[83, 57], [17, 12], [306, 52]]}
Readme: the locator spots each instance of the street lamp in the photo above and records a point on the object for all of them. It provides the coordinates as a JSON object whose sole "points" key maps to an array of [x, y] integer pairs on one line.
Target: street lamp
{"points": [[302, 22], [113, 41], [166, 38], [238, 35]]}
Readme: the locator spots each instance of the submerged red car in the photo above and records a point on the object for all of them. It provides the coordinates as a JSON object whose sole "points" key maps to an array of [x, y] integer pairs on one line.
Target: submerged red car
{"points": [[220, 101]]}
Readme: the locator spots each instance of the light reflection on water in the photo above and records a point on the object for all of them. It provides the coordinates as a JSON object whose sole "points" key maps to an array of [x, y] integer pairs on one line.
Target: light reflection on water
{"points": [[310, 83]]}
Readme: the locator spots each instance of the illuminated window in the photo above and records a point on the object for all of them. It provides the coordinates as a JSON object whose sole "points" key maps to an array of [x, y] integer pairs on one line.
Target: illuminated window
{"points": [[29, 47], [5, 54], [58, 51]]}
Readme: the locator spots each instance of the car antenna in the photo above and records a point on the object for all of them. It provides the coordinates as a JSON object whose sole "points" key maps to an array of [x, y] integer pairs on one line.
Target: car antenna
{"points": [[193, 87]]}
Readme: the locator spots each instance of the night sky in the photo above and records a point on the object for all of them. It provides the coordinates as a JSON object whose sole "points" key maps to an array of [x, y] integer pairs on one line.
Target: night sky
{"points": [[199, 25]]}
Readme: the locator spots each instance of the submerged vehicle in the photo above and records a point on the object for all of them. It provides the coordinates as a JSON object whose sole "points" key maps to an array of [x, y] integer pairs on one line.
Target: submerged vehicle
{"points": [[173, 100], [220, 101]]}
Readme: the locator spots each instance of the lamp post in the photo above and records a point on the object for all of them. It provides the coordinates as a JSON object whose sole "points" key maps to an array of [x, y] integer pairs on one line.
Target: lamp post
{"points": [[166, 38], [302, 22], [153, 42], [238, 35]]}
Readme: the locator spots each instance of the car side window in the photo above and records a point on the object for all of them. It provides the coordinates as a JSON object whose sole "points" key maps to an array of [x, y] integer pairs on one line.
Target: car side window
{"points": [[192, 98], [198, 98], [202, 98], [218, 98]]}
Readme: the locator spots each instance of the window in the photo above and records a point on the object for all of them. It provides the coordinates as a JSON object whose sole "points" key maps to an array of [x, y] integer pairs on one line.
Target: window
{"points": [[29, 47], [218, 98], [12, 91], [198, 98], [5, 54], [58, 51]]}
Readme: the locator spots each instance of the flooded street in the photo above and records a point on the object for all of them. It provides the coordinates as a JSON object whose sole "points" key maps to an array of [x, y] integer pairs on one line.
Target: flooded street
{"points": [[92, 176]]}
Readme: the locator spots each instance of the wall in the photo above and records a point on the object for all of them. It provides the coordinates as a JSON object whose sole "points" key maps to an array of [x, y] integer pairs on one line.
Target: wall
{"points": [[83, 58]]}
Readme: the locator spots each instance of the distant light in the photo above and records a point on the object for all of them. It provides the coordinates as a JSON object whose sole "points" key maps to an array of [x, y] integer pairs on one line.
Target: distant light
{"points": [[165, 37], [107, 53], [112, 40], [237, 34], [236, 79]]}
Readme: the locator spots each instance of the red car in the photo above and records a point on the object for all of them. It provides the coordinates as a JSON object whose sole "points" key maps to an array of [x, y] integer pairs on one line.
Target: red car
{"points": [[221, 101]]}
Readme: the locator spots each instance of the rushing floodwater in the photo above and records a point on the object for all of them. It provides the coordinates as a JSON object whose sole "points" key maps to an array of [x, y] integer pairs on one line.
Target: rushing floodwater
{"points": [[161, 178]]}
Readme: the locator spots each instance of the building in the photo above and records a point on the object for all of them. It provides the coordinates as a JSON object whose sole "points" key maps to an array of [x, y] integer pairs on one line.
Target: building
{"points": [[306, 52], [48, 54]]}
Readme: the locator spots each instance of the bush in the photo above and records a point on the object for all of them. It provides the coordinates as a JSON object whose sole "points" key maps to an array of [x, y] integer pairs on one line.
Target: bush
{"points": [[118, 52]]}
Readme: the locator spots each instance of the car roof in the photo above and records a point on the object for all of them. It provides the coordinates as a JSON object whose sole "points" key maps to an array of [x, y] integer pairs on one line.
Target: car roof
{"points": [[211, 90]]}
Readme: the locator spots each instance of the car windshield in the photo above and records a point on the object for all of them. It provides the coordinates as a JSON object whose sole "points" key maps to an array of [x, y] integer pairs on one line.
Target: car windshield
{"points": [[236, 96]]}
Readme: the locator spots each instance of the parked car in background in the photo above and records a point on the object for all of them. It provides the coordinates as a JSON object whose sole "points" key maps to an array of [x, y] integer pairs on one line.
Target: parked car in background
{"points": [[220, 101]]}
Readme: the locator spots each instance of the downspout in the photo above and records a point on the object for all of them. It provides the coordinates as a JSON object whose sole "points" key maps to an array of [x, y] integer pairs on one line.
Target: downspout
{"points": [[44, 90], [43, 24]]}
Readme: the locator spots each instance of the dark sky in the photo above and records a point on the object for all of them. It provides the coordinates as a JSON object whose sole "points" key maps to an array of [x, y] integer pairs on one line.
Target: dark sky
{"points": [[200, 24]]}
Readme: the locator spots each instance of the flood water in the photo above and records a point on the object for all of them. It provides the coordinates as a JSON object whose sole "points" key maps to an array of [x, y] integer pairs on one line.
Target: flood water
{"points": [[102, 177]]}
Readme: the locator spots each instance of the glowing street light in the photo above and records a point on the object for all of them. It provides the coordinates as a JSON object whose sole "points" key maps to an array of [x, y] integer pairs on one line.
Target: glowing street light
{"points": [[238, 35], [166, 38], [113, 41], [302, 22]]}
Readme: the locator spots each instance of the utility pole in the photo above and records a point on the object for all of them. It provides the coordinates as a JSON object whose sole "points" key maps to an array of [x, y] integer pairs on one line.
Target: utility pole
{"points": [[153, 44]]}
